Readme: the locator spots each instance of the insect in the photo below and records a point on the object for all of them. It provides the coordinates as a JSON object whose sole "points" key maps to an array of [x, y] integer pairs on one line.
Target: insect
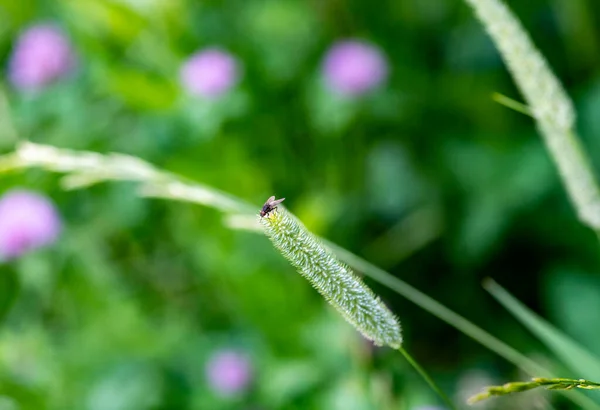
{"points": [[270, 205]]}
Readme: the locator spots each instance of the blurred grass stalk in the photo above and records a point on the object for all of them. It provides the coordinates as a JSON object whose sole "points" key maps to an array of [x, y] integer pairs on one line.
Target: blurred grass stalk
{"points": [[84, 168], [548, 103], [549, 384]]}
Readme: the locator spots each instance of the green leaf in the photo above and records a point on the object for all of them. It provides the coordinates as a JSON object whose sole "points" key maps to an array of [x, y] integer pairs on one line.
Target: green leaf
{"points": [[142, 90]]}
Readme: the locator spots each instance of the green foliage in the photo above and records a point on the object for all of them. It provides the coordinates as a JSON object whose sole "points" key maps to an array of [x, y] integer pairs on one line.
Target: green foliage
{"points": [[428, 178]]}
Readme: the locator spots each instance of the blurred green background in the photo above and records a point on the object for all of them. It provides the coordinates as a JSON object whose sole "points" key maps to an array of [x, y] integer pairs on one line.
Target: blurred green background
{"points": [[426, 177]]}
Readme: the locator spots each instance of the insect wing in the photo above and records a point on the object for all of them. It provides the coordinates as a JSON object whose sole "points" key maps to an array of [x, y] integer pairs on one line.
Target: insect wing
{"points": [[275, 203], [271, 199]]}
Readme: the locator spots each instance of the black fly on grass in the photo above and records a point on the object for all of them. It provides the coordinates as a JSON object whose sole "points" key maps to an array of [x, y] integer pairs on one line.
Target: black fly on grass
{"points": [[270, 205]]}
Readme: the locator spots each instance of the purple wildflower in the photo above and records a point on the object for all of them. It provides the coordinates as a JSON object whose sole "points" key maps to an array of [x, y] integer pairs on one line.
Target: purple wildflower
{"points": [[228, 372], [354, 67], [42, 54], [209, 73], [27, 221]]}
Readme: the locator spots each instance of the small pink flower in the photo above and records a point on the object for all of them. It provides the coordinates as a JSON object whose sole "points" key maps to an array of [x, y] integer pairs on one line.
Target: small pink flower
{"points": [[27, 221], [354, 67], [42, 54], [228, 372], [209, 73]]}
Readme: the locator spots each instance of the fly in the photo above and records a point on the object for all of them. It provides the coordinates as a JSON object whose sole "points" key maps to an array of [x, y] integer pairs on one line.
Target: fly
{"points": [[270, 205]]}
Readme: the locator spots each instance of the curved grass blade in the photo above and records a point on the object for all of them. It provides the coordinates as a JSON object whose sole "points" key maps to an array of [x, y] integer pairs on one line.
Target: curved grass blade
{"points": [[549, 384], [571, 353]]}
